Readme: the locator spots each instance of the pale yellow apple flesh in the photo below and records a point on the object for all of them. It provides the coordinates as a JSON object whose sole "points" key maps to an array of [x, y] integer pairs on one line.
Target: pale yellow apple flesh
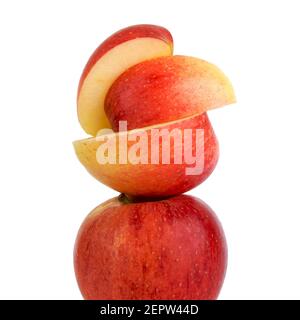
{"points": [[149, 179], [97, 83]]}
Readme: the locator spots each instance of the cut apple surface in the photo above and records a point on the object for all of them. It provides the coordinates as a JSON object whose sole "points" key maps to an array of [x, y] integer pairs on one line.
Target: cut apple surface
{"points": [[121, 51], [145, 177], [166, 89], [133, 77]]}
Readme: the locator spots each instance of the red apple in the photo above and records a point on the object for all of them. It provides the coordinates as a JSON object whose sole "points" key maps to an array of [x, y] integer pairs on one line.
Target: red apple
{"points": [[166, 89], [116, 54], [152, 179], [165, 249]]}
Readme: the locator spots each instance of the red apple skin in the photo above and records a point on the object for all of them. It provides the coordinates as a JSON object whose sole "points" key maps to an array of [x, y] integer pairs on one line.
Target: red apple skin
{"points": [[166, 89], [165, 249], [162, 180], [123, 35]]}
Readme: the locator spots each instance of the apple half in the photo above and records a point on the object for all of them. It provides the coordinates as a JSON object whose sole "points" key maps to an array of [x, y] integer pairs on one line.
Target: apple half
{"points": [[119, 52], [145, 178]]}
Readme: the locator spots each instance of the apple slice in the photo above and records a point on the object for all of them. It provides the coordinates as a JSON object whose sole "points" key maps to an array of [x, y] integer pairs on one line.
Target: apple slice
{"points": [[119, 52], [149, 178], [166, 89]]}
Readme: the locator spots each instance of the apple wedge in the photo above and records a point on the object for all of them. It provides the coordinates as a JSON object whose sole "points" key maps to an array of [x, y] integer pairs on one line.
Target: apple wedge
{"points": [[115, 55], [145, 177], [166, 89]]}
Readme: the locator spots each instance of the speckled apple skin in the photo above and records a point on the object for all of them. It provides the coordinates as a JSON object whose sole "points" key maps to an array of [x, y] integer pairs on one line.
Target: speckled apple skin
{"points": [[168, 249], [153, 180], [123, 35], [166, 89]]}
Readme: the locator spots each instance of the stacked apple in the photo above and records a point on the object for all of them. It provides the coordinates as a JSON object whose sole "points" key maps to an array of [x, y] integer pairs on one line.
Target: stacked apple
{"points": [[151, 242]]}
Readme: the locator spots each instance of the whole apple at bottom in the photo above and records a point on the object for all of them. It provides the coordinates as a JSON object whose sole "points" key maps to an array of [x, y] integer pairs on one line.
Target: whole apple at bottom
{"points": [[165, 249]]}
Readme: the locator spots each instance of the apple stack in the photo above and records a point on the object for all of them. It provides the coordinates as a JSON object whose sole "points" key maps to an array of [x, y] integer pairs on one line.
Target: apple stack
{"points": [[151, 242]]}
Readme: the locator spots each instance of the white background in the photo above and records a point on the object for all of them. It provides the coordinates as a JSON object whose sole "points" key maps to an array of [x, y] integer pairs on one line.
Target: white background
{"points": [[45, 192]]}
